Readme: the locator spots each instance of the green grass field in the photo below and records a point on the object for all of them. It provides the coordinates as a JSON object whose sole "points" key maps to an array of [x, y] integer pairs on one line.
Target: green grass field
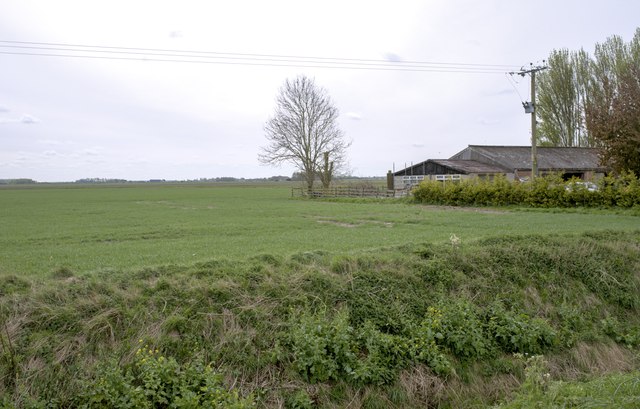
{"points": [[89, 228]]}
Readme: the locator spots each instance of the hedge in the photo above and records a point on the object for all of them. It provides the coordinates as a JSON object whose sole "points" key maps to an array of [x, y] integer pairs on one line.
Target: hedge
{"points": [[546, 191]]}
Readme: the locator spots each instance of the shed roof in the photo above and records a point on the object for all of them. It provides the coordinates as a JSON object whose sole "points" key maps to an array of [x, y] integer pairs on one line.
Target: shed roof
{"points": [[462, 166], [468, 166], [519, 157]]}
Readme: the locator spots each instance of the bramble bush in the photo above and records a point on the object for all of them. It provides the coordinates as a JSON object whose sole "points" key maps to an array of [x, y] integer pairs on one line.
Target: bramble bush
{"points": [[623, 334], [547, 191], [517, 332], [461, 328], [154, 381], [327, 348], [323, 348]]}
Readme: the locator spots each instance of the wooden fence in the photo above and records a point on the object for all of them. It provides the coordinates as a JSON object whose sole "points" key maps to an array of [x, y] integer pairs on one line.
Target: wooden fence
{"points": [[345, 191]]}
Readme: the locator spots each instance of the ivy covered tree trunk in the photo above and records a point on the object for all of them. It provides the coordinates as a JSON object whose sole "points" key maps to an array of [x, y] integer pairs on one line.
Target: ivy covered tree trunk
{"points": [[326, 173]]}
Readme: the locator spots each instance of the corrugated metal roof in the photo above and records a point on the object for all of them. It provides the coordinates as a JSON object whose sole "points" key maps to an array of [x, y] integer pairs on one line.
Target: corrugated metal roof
{"points": [[468, 166], [481, 159], [549, 158]]}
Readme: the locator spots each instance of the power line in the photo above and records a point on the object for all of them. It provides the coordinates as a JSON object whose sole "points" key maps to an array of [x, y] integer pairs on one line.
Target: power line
{"points": [[285, 64], [247, 55], [268, 58], [209, 57], [513, 84]]}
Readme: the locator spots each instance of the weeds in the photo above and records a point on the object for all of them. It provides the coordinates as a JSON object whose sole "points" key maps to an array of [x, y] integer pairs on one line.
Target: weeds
{"points": [[153, 381], [411, 326], [9, 358]]}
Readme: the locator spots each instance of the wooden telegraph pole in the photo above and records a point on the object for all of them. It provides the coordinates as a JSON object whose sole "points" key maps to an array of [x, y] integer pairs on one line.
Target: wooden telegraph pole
{"points": [[530, 108]]}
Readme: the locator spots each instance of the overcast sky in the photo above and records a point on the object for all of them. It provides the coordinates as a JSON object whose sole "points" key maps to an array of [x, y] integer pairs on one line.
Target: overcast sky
{"points": [[66, 118]]}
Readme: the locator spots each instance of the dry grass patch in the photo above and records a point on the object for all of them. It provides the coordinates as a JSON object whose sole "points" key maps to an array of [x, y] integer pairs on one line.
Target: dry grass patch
{"points": [[589, 360], [337, 223], [423, 385]]}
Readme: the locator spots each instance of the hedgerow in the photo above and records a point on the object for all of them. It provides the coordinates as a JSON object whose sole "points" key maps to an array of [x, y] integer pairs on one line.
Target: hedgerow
{"points": [[549, 191]]}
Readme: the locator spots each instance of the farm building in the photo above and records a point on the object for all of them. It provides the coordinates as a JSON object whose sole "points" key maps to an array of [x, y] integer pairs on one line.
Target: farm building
{"points": [[509, 161]]}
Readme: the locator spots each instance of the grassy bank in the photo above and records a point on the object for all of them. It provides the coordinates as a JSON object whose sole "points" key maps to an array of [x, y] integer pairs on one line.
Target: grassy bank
{"points": [[417, 325]]}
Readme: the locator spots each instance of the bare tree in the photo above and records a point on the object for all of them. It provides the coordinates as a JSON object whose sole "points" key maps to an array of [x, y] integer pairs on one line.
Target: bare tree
{"points": [[304, 131]]}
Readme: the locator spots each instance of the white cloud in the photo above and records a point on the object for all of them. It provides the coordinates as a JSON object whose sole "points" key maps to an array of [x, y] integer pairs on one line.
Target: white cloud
{"points": [[392, 57], [25, 119], [487, 122], [354, 116], [49, 142], [95, 151], [29, 119]]}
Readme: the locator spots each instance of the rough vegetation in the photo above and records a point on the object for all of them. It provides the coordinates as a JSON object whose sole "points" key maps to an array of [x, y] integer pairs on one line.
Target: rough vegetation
{"points": [[420, 325]]}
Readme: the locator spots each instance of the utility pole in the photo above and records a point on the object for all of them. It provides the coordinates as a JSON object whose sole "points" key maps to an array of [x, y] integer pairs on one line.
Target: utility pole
{"points": [[530, 108]]}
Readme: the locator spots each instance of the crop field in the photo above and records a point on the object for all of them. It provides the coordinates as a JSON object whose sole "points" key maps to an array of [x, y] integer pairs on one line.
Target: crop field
{"points": [[95, 228], [238, 295]]}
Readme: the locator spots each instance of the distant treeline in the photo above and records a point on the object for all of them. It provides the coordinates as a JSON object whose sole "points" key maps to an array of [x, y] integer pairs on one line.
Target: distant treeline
{"points": [[200, 180], [100, 180], [279, 178], [17, 181]]}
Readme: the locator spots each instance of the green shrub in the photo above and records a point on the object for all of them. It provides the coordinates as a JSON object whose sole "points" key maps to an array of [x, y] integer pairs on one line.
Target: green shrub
{"points": [[462, 329], [154, 381], [299, 400], [546, 191], [623, 334], [424, 347], [436, 273], [380, 356], [388, 298], [326, 348], [517, 332], [323, 348]]}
